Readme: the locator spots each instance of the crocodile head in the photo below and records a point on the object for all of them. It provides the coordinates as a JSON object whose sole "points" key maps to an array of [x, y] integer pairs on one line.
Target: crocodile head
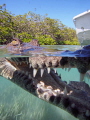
{"points": [[16, 46], [18, 42], [38, 76]]}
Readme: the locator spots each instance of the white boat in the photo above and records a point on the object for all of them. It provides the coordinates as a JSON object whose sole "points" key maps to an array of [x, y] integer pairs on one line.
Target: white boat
{"points": [[82, 24]]}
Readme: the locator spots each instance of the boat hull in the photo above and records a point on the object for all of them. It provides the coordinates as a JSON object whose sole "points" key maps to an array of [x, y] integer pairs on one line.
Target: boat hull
{"points": [[82, 24]]}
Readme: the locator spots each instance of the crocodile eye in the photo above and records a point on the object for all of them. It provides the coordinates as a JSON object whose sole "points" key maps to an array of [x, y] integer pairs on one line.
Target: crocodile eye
{"points": [[14, 40]]}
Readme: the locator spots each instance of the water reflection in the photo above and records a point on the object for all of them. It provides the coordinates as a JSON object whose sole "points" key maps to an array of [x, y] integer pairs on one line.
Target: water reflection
{"points": [[47, 50]]}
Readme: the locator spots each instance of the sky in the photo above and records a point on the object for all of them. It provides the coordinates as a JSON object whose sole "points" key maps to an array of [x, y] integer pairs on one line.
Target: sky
{"points": [[64, 10]]}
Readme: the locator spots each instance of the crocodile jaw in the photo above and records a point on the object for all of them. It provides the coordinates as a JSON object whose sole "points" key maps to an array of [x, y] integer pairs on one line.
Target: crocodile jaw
{"points": [[47, 86]]}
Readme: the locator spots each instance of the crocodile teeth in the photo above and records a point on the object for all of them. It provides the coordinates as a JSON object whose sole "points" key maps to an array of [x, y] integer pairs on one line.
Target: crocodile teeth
{"points": [[65, 91], [55, 70], [34, 72], [29, 76], [26, 73], [29, 60], [48, 69], [87, 113], [30, 65], [20, 63], [69, 68], [81, 77], [42, 71], [73, 105], [65, 69], [88, 76]]}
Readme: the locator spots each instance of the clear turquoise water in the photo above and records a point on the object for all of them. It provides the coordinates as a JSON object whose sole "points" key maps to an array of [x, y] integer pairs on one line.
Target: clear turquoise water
{"points": [[17, 104]]}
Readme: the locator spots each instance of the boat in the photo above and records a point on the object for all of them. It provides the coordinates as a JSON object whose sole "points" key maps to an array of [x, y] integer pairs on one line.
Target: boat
{"points": [[82, 24]]}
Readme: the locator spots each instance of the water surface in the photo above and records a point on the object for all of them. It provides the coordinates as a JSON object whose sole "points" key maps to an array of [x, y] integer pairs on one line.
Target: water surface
{"points": [[45, 50]]}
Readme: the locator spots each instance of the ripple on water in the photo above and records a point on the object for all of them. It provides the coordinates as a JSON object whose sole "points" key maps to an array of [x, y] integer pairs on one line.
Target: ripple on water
{"points": [[46, 50]]}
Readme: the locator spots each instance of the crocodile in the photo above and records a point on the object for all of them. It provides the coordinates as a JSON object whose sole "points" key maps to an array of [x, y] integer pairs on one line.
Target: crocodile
{"points": [[38, 76], [16, 46], [18, 42]]}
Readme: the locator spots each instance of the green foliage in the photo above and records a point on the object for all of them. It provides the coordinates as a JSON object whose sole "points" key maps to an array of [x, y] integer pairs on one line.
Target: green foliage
{"points": [[46, 40], [71, 42], [6, 26], [34, 26], [5, 33], [68, 42], [24, 36]]}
